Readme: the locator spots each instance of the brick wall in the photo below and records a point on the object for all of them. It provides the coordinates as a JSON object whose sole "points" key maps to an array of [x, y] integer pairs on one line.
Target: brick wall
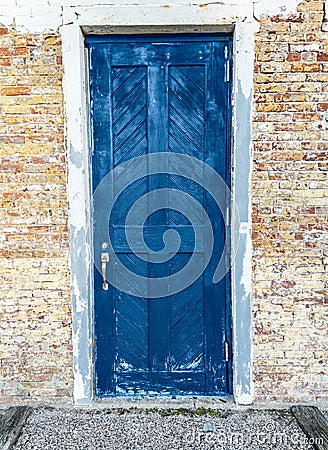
{"points": [[290, 200], [35, 344]]}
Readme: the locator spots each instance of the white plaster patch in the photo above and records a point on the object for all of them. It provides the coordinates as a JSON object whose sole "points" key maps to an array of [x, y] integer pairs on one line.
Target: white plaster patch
{"points": [[35, 187], [82, 391], [80, 303], [76, 199], [76, 338], [243, 398], [73, 83], [306, 47], [144, 13], [247, 269], [246, 276], [79, 393], [26, 17], [244, 46], [41, 15], [275, 7]]}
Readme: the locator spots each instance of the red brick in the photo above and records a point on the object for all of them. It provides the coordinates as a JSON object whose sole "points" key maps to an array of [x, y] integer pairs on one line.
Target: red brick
{"points": [[308, 210], [322, 57], [322, 107], [5, 62], [15, 90], [15, 51], [294, 57]]}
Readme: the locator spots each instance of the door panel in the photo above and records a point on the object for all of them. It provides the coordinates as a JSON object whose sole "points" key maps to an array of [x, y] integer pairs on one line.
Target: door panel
{"points": [[151, 95]]}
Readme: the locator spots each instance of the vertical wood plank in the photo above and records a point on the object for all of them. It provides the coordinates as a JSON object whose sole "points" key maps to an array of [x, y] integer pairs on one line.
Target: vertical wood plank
{"points": [[102, 163], [159, 311], [215, 156]]}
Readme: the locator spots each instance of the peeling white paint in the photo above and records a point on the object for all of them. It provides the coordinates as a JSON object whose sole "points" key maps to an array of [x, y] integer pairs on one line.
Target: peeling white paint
{"points": [[82, 382], [246, 277], [75, 286], [76, 338], [242, 397], [144, 13], [241, 185], [79, 211], [81, 304], [275, 7], [26, 17], [93, 19], [79, 386], [244, 36], [307, 47], [76, 199]]}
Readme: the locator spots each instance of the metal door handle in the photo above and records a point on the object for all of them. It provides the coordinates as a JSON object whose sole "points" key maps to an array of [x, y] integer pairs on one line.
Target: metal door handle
{"points": [[104, 261]]}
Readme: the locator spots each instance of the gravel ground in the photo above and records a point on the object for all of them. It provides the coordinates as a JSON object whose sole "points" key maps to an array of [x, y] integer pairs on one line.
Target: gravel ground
{"points": [[108, 429]]}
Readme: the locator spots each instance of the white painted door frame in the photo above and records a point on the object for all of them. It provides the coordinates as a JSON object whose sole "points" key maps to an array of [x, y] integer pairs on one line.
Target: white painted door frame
{"points": [[141, 19]]}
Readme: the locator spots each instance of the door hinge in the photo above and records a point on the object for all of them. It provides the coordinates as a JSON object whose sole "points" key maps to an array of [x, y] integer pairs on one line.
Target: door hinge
{"points": [[227, 71], [226, 351]]}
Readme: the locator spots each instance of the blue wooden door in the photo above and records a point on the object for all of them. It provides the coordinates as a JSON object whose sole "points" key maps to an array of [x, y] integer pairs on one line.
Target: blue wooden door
{"points": [[155, 95]]}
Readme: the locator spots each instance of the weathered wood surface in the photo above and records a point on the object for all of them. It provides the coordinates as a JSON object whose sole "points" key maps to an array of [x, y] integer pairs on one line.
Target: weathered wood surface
{"points": [[314, 425], [11, 424]]}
